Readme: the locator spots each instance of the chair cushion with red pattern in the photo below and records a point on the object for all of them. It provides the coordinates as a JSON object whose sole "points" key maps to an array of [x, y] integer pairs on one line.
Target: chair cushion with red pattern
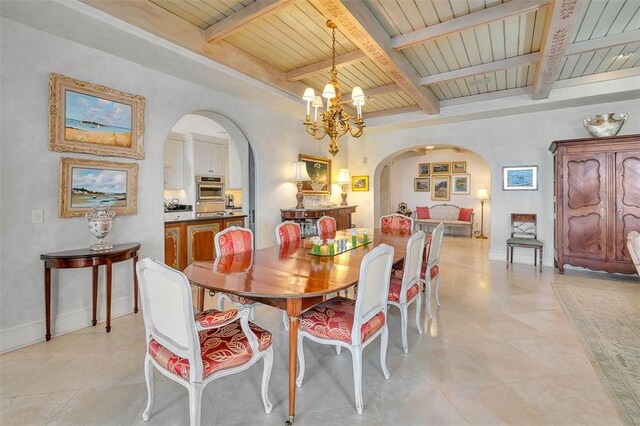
{"points": [[434, 271], [234, 241], [396, 285], [241, 300], [222, 348], [400, 223], [215, 318], [289, 232], [333, 319], [327, 226]]}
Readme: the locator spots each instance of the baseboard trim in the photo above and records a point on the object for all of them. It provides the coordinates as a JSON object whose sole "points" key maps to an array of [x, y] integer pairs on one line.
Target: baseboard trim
{"points": [[27, 334], [525, 259]]}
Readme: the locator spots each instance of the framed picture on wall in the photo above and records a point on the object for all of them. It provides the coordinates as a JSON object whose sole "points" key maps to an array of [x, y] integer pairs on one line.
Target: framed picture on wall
{"points": [[424, 169], [93, 119], [441, 168], [319, 170], [421, 184], [441, 188], [461, 184], [520, 178], [360, 183], [88, 183], [459, 167]]}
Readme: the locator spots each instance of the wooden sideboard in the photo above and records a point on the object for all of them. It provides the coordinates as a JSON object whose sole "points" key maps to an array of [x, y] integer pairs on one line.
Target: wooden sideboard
{"points": [[342, 214], [597, 201], [187, 241]]}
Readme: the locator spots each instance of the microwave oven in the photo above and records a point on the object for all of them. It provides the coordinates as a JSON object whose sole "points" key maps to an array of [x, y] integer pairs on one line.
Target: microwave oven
{"points": [[209, 188]]}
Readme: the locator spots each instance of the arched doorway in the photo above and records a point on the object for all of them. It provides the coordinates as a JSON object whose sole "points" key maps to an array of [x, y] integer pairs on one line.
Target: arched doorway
{"points": [[403, 172]]}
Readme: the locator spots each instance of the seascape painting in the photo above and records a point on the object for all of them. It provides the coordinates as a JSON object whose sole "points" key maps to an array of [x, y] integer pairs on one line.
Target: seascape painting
{"points": [[92, 187], [96, 120], [421, 184], [520, 178], [360, 183]]}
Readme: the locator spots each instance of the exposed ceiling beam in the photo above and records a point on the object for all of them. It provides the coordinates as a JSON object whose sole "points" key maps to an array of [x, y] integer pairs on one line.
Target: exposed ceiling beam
{"points": [[322, 66], [603, 42], [232, 23], [503, 64], [394, 111], [162, 23], [467, 21], [358, 24], [373, 91], [555, 39]]}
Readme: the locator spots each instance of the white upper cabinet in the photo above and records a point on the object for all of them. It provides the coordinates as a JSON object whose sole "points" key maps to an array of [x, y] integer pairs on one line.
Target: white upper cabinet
{"points": [[210, 155], [174, 162], [234, 168]]}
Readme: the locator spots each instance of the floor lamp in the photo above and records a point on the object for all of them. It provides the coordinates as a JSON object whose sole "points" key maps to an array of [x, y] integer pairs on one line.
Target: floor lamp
{"points": [[482, 195]]}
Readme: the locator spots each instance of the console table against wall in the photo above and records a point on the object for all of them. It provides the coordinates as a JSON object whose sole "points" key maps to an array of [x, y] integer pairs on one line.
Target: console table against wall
{"points": [[342, 214], [83, 258]]}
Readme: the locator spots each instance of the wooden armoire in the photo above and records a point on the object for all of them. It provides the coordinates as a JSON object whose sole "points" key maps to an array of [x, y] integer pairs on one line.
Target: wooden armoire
{"points": [[597, 201]]}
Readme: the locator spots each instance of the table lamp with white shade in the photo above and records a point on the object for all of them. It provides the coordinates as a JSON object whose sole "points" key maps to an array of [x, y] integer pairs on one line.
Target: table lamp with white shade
{"points": [[344, 179], [482, 195], [299, 174]]}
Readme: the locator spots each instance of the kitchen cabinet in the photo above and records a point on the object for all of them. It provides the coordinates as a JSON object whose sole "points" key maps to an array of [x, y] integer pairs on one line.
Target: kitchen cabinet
{"points": [[210, 156], [174, 163], [597, 201], [234, 167]]}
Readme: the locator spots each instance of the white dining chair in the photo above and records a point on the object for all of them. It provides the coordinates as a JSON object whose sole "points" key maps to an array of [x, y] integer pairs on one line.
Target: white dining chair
{"points": [[396, 222], [193, 351], [405, 289], [353, 324], [431, 269]]}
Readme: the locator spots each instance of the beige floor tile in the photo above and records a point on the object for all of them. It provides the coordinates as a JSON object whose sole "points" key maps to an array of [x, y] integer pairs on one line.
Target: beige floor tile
{"points": [[494, 405], [116, 405], [455, 370], [435, 410], [558, 355], [32, 409], [122, 368]]}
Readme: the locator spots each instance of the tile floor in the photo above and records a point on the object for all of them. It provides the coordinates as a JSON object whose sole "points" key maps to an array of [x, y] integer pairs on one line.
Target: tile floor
{"points": [[498, 351]]}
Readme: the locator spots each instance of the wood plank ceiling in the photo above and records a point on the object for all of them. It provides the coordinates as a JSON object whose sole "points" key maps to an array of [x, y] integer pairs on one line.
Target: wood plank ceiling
{"points": [[439, 49]]}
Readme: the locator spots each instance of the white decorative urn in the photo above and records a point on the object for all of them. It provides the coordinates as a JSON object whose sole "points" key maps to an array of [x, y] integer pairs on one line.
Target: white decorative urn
{"points": [[603, 125], [100, 222]]}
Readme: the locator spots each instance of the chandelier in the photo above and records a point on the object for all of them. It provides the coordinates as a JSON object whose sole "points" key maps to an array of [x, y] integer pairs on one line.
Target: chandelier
{"points": [[335, 122]]}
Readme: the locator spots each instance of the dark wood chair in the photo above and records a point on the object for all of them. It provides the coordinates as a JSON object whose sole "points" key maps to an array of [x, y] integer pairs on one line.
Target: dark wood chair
{"points": [[524, 233]]}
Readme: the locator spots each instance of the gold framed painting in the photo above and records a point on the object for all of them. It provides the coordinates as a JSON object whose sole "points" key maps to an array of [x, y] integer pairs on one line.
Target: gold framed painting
{"points": [[421, 184], [459, 167], [92, 119], [440, 168], [319, 170], [424, 169], [88, 183], [461, 185], [441, 188], [359, 183]]}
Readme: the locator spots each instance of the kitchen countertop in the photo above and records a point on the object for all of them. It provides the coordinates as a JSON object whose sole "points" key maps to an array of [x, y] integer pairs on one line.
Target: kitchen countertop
{"points": [[202, 219], [315, 209]]}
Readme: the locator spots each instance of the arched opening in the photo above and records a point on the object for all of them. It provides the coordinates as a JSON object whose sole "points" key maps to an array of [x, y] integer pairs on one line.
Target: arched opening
{"points": [[408, 176]]}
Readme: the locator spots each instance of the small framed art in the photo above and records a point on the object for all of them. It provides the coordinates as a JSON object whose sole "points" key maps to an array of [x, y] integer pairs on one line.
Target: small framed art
{"points": [[441, 168], [520, 178], [441, 188], [424, 169], [360, 183], [421, 184], [459, 167], [461, 184]]}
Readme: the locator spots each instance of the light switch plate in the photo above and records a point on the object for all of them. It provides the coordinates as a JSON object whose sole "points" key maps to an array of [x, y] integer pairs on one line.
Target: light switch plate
{"points": [[37, 215]]}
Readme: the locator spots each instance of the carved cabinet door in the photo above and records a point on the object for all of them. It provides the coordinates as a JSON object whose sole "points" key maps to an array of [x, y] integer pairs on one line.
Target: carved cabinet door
{"points": [[172, 247], [585, 206], [200, 245], [627, 208]]}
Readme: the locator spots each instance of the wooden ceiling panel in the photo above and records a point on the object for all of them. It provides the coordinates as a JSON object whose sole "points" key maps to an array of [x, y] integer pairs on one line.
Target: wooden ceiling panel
{"points": [[202, 13], [387, 101], [485, 83], [602, 18], [599, 61]]}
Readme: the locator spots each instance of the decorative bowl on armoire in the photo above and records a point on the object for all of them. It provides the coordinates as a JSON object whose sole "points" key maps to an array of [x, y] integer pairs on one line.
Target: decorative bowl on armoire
{"points": [[603, 125]]}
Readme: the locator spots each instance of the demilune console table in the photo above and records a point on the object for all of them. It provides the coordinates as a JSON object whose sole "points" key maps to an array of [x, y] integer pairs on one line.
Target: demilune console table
{"points": [[82, 258]]}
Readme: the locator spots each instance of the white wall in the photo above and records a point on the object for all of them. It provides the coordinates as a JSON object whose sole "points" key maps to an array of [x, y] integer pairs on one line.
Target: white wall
{"points": [[404, 169], [508, 141], [29, 174]]}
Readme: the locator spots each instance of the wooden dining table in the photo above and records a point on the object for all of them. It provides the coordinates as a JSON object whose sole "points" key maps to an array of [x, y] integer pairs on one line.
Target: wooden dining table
{"points": [[290, 278]]}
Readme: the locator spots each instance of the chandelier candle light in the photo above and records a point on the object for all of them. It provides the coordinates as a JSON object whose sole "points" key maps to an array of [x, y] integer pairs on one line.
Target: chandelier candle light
{"points": [[335, 122], [299, 174]]}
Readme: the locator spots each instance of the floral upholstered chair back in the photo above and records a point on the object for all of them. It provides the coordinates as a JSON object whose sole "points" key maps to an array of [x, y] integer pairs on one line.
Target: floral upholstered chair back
{"points": [[396, 222], [287, 232], [327, 226], [233, 240]]}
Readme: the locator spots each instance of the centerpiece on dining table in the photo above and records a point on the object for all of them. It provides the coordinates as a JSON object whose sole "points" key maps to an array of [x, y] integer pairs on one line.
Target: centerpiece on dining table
{"points": [[335, 246]]}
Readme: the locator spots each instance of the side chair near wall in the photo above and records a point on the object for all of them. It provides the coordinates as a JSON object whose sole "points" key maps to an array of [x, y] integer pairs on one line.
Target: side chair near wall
{"points": [[405, 290], [287, 232], [633, 244], [229, 241], [326, 226], [432, 266], [353, 323], [193, 351], [524, 233], [396, 222]]}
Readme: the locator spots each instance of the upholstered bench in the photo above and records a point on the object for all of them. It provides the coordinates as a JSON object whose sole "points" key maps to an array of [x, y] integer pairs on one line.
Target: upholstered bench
{"points": [[449, 215]]}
